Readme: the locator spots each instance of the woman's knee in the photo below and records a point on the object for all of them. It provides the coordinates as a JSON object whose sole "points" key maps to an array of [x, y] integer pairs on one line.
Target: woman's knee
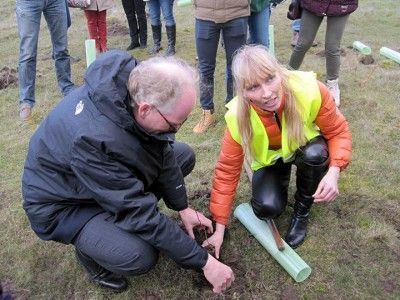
{"points": [[269, 206], [315, 152]]}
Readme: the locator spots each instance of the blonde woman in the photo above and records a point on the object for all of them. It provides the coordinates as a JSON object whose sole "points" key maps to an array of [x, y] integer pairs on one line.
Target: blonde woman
{"points": [[279, 118]]}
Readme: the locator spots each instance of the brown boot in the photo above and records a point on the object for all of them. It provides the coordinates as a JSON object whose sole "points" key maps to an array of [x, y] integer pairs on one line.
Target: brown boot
{"points": [[206, 121]]}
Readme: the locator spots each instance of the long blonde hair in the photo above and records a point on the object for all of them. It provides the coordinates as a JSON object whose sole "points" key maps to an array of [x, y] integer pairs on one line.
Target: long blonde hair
{"points": [[251, 65]]}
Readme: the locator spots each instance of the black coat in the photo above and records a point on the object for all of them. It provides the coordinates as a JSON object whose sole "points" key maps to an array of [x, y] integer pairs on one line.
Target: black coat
{"points": [[90, 156]]}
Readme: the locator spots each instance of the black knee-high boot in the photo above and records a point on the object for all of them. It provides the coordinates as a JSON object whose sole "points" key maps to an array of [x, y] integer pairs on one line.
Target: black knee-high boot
{"points": [[312, 163], [171, 34], [156, 39]]}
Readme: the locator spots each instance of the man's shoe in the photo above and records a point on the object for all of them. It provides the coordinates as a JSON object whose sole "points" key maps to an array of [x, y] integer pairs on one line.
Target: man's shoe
{"points": [[206, 121], [100, 275], [25, 112]]}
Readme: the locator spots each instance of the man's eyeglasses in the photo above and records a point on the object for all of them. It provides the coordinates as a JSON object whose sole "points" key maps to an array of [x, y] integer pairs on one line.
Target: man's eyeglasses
{"points": [[173, 128]]}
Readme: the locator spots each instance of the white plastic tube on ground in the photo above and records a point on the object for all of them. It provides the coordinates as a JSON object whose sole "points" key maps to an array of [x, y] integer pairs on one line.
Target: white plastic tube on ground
{"points": [[364, 49], [90, 47], [391, 54], [288, 258]]}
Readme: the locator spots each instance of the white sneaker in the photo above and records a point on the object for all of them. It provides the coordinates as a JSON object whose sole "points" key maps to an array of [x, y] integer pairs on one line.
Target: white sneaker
{"points": [[333, 87]]}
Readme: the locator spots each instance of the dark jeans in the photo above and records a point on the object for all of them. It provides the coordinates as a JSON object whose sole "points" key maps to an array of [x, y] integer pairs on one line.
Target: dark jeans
{"points": [[207, 34], [136, 16], [120, 251], [270, 184]]}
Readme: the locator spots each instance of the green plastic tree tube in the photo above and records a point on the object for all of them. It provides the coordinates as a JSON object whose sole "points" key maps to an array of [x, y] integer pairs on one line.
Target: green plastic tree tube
{"points": [[391, 54], [364, 49], [184, 2], [90, 47], [288, 259], [271, 39]]}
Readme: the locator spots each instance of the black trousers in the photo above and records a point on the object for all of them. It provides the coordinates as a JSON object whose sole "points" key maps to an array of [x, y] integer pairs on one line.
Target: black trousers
{"points": [[117, 250], [136, 16], [270, 184]]}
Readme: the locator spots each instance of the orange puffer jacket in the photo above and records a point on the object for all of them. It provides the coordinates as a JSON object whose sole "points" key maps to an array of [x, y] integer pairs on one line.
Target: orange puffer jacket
{"points": [[333, 127]]}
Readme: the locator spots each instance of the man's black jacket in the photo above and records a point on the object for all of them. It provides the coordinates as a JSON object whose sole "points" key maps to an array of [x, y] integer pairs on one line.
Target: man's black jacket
{"points": [[90, 156]]}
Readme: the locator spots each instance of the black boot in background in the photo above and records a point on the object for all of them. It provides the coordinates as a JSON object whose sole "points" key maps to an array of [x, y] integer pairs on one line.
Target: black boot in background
{"points": [[100, 275], [156, 39], [171, 34], [312, 163]]}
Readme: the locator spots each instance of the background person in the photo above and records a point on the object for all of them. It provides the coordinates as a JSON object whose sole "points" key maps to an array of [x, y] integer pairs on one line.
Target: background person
{"points": [[212, 18], [337, 13], [273, 120], [135, 11], [98, 164], [29, 14], [167, 8], [96, 16]]}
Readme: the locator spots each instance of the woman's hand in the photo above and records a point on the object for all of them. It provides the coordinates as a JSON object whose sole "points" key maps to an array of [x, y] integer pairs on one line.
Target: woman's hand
{"points": [[327, 190], [216, 239], [191, 218]]}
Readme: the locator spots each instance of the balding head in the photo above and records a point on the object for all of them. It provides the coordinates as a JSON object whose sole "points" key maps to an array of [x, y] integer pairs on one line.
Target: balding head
{"points": [[160, 82]]}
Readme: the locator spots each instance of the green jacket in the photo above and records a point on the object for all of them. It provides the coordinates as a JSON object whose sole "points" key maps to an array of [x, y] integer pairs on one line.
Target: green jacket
{"points": [[258, 5]]}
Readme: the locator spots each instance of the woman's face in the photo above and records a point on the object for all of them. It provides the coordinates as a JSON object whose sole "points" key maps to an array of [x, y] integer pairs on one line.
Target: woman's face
{"points": [[265, 94]]}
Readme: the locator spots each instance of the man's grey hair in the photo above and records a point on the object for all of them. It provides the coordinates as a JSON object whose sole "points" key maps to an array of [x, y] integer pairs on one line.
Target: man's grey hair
{"points": [[160, 81]]}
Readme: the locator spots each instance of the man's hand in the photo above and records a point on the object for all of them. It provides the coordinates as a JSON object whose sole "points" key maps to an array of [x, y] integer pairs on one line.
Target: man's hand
{"points": [[216, 239], [218, 274], [192, 218], [327, 190]]}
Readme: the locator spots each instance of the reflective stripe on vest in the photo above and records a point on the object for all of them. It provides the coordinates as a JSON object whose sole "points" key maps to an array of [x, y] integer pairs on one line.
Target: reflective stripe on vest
{"points": [[306, 91]]}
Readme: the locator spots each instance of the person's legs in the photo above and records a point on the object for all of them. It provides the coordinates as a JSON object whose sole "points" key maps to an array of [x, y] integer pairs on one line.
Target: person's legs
{"points": [[312, 163], [334, 33], [140, 9], [167, 7], [56, 18], [28, 19], [107, 252], [129, 9], [309, 27], [234, 33], [102, 28], [91, 18], [270, 190], [207, 36], [154, 12], [333, 37], [258, 27]]}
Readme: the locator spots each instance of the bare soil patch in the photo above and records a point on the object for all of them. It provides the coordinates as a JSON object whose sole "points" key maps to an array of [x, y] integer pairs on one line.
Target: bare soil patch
{"points": [[8, 77], [367, 60], [116, 29]]}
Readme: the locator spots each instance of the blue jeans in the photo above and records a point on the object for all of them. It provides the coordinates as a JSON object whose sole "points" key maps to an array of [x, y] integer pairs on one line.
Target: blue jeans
{"points": [[258, 27], [207, 35], [296, 24], [167, 8], [29, 13]]}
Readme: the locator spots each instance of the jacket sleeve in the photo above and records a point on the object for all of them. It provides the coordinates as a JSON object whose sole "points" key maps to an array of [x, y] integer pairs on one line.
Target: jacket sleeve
{"points": [[335, 129], [120, 192], [170, 182], [226, 178]]}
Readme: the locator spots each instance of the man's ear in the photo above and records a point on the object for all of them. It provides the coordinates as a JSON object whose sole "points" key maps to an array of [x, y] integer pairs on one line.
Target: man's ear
{"points": [[144, 109]]}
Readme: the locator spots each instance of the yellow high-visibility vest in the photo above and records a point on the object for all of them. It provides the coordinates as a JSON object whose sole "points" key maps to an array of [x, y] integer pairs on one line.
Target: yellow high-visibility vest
{"points": [[306, 91]]}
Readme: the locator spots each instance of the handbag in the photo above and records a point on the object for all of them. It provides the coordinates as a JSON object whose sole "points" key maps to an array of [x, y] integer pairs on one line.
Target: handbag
{"points": [[79, 3], [295, 10]]}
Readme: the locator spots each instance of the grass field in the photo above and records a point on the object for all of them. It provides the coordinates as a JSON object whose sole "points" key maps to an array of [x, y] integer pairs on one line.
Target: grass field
{"points": [[354, 243]]}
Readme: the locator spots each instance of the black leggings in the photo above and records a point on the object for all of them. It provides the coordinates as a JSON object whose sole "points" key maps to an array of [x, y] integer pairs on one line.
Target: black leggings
{"points": [[270, 184]]}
